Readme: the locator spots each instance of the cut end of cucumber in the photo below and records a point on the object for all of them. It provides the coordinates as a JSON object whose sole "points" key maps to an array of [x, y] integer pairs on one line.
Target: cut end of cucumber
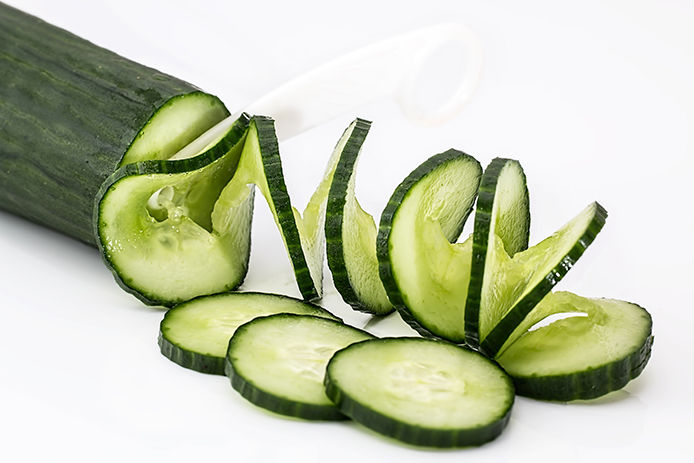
{"points": [[196, 334], [421, 392], [168, 229], [181, 120]]}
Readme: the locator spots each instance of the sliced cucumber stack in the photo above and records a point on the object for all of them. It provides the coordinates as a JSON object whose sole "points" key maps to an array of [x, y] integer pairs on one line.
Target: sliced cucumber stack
{"points": [[351, 232], [196, 334], [421, 392], [599, 348], [278, 363], [425, 272]]}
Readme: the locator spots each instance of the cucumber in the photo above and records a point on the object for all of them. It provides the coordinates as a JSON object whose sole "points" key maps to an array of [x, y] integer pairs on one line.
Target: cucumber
{"points": [[278, 363], [420, 391], [73, 112], [425, 273], [506, 215], [170, 230], [351, 232], [581, 357], [196, 334], [514, 286]]}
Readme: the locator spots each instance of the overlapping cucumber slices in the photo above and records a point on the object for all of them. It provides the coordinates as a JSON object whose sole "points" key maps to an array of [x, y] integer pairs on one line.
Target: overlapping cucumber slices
{"points": [[175, 229], [492, 291]]}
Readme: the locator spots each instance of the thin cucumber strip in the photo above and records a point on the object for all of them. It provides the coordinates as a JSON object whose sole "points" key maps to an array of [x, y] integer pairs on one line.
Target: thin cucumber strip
{"points": [[503, 209], [278, 363], [423, 270], [167, 229], [581, 357], [516, 285], [304, 239], [70, 110], [196, 334], [420, 391], [351, 232]]}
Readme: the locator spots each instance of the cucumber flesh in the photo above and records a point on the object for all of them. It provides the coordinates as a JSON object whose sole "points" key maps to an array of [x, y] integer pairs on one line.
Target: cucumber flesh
{"points": [[168, 230], [176, 124], [581, 357], [260, 165], [503, 210], [424, 271], [278, 363], [196, 334], [422, 392], [512, 287], [351, 232]]}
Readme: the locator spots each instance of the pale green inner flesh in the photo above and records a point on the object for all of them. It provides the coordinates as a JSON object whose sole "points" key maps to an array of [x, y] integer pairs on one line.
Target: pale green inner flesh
{"points": [[173, 126], [205, 325], [510, 211], [359, 253], [611, 331], [286, 357], [507, 280], [425, 383], [432, 273], [251, 172], [176, 236]]}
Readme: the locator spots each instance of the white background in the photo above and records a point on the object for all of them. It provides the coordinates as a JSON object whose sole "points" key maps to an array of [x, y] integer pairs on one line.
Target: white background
{"points": [[594, 98]]}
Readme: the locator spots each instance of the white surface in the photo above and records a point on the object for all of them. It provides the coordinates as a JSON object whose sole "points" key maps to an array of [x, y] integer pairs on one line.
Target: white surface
{"points": [[596, 102]]}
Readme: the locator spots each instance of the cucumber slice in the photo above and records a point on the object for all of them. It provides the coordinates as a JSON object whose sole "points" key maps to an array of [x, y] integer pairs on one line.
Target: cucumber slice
{"points": [[278, 363], [422, 392], [170, 231], [512, 287], [351, 232], [506, 215], [196, 334], [424, 271], [581, 357]]}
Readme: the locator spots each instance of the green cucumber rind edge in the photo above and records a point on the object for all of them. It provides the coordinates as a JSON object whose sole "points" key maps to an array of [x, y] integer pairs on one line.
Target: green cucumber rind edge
{"points": [[236, 133], [334, 217], [257, 396], [412, 434], [272, 166], [496, 338], [480, 243], [384, 229], [209, 363], [591, 383]]}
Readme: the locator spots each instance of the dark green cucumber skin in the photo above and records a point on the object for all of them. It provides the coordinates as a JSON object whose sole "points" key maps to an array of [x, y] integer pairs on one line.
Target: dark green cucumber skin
{"points": [[588, 384], [235, 135], [411, 434], [385, 226], [276, 404], [272, 166], [500, 333], [334, 216], [194, 360], [69, 110], [483, 216]]}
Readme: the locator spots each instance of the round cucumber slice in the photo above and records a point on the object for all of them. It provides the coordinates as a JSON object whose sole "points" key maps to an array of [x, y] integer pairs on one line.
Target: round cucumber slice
{"points": [[196, 334], [278, 363], [421, 391], [581, 357]]}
